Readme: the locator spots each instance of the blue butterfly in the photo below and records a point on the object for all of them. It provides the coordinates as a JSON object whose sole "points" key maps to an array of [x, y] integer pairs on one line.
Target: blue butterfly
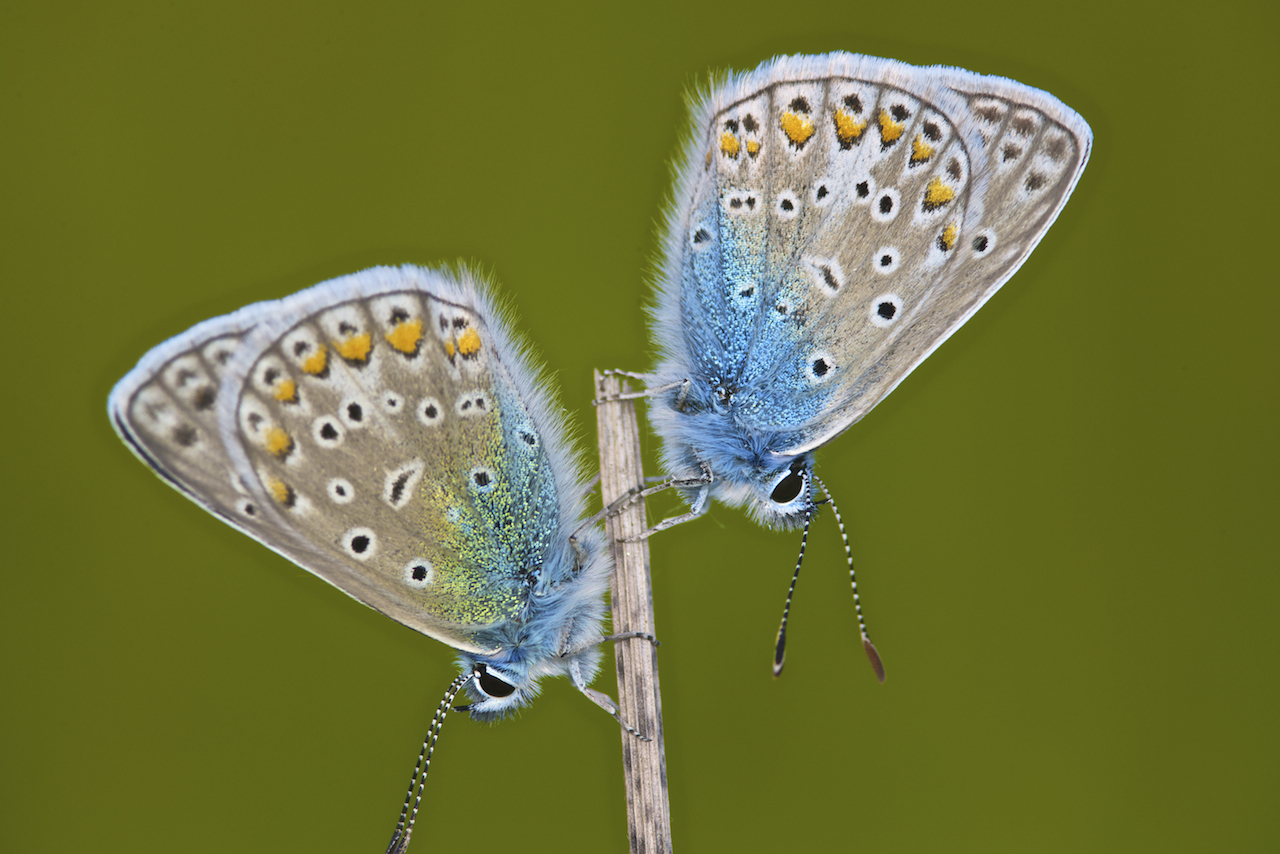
{"points": [[835, 218], [386, 433]]}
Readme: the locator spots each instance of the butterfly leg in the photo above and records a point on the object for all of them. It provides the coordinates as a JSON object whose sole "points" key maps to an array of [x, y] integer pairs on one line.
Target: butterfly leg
{"points": [[619, 372], [570, 652], [628, 635], [635, 494], [602, 700], [703, 482], [652, 391], [580, 555], [699, 507]]}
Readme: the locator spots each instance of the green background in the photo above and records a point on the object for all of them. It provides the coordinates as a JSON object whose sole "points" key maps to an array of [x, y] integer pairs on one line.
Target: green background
{"points": [[1064, 521]]}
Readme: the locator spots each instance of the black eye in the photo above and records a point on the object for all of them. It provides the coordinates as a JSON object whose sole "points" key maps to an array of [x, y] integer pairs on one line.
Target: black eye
{"points": [[492, 685], [789, 487]]}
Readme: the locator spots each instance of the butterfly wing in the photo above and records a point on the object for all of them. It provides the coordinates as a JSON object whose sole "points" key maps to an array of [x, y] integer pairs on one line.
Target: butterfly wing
{"points": [[374, 432], [838, 217], [166, 412]]}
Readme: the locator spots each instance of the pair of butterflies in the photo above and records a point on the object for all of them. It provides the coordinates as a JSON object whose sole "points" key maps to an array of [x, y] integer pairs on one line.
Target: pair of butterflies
{"points": [[835, 219]]}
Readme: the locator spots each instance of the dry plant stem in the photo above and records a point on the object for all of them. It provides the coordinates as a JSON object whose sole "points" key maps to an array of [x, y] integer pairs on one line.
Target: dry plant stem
{"points": [[644, 763]]}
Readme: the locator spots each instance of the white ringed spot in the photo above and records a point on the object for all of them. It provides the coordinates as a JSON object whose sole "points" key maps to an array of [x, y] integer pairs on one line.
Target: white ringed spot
{"points": [[400, 484], [419, 573], [885, 206], [983, 242], [430, 412], [354, 412], [885, 310], [819, 368], [787, 206], [885, 260], [359, 543], [340, 490], [327, 431]]}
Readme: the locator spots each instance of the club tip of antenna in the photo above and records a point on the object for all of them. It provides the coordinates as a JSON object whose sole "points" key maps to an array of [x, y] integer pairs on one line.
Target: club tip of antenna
{"points": [[874, 657]]}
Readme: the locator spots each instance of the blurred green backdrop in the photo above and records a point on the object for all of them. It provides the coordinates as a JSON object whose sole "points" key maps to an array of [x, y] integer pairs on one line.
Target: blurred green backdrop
{"points": [[1064, 521]]}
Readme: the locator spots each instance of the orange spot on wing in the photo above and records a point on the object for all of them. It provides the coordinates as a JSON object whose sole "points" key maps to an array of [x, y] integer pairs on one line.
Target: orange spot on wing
{"points": [[889, 129], [316, 362], [797, 127], [949, 235], [847, 127], [920, 150], [405, 336], [279, 442], [729, 144], [356, 348], [286, 391], [469, 342], [281, 492], [938, 194]]}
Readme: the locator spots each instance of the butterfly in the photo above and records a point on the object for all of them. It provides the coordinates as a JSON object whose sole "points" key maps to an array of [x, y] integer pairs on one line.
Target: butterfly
{"points": [[385, 432], [835, 218]]}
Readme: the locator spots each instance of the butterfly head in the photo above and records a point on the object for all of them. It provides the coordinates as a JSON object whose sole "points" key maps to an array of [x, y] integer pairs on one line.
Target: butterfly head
{"points": [[778, 496], [496, 691]]}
